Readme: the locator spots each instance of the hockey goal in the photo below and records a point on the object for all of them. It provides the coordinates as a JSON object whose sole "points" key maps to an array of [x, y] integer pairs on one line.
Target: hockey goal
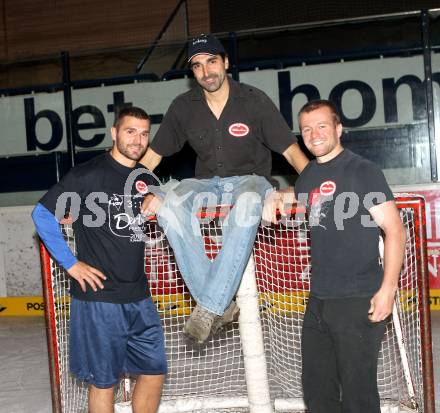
{"points": [[254, 364]]}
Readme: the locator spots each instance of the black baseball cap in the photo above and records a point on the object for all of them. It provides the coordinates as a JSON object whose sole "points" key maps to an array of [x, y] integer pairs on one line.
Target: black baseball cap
{"points": [[204, 44]]}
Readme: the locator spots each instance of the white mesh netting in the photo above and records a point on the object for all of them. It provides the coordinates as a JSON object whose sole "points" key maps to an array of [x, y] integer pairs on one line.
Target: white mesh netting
{"points": [[211, 378]]}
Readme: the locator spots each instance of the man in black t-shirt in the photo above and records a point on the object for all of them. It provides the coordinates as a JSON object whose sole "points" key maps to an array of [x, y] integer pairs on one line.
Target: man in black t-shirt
{"points": [[348, 201], [233, 128], [114, 325]]}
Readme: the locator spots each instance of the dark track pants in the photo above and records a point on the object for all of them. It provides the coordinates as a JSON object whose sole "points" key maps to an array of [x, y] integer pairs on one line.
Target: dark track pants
{"points": [[340, 348]]}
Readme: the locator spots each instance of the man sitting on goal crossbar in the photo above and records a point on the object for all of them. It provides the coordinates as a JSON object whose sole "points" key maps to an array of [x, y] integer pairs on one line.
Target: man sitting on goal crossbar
{"points": [[232, 127]]}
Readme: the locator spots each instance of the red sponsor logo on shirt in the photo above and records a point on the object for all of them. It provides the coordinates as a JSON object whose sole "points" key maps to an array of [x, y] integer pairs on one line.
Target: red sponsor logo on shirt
{"points": [[141, 187], [238, 130], [327, 188]]}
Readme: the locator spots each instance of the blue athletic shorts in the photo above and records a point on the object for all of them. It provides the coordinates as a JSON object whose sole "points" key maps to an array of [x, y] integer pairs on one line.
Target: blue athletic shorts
{"points": [[108, 340]]}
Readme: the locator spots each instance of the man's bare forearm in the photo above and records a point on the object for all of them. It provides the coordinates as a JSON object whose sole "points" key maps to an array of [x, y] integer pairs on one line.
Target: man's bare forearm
{"points": [[151, 159], [394, 251], [296, 157], [387, 217]]}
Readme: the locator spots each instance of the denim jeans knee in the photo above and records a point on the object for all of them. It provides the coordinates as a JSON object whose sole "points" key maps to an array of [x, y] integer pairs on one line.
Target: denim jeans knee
{"points": [[213, 283]]}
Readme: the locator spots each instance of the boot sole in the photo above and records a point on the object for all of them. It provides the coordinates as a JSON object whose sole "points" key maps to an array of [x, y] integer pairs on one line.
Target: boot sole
{"points": [[223, 322]]}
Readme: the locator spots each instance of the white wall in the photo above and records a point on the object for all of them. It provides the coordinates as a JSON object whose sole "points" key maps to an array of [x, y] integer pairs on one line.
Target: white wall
{"points": [[20, 273]]}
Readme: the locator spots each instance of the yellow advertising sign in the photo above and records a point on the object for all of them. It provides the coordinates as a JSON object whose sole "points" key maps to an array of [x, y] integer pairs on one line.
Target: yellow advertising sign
{"points": [[434, 299], [21, 306], [180, 304]]}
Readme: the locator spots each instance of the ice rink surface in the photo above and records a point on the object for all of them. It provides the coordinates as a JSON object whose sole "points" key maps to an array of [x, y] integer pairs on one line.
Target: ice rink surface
{"points": [[24, 374]]}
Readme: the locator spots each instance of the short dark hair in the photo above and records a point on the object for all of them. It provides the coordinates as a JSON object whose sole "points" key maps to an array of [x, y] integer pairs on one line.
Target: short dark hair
{"points": [[321, 103], [133, 111]]}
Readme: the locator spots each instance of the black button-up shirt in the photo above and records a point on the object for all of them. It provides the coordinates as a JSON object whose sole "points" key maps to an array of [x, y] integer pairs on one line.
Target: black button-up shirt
{"points": [[239, 143]]}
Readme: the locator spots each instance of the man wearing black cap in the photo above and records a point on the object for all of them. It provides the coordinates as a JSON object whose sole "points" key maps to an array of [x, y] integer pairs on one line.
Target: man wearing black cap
{"points": [[232, 127]]}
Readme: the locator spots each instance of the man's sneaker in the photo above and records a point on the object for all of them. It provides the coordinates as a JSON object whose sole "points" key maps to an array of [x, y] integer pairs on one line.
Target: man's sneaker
{"points": [[230, 315], [198, 325]]}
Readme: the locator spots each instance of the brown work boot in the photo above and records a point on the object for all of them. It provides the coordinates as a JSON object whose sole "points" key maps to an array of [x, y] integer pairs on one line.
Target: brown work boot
{"points": [[198, 326], [230, 315]]}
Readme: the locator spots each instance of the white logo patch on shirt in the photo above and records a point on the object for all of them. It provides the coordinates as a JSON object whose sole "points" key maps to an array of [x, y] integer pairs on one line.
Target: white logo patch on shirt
{"points": [[327, 188], [141, 187], [238, 130]]}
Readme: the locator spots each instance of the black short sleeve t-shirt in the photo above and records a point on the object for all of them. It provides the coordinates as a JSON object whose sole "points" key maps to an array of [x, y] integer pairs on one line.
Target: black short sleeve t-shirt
{"points": [[238, 143], [104, 199], [344, 237]]}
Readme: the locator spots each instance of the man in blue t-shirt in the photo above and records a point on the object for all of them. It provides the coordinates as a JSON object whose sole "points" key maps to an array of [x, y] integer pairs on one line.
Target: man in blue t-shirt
{"points": [[114, 324], [348, 202]]}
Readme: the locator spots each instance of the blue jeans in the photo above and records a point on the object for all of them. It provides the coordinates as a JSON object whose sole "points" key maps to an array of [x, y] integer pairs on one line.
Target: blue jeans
{"points": [[213, 283]]}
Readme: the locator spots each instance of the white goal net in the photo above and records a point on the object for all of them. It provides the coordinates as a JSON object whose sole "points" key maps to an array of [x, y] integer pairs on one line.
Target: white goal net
{"points": [[232, 371]]}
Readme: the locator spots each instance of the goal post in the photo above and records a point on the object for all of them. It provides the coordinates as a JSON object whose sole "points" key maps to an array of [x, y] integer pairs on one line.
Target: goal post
{"points": [[51, 332], [416, 204], [221, 376]]}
